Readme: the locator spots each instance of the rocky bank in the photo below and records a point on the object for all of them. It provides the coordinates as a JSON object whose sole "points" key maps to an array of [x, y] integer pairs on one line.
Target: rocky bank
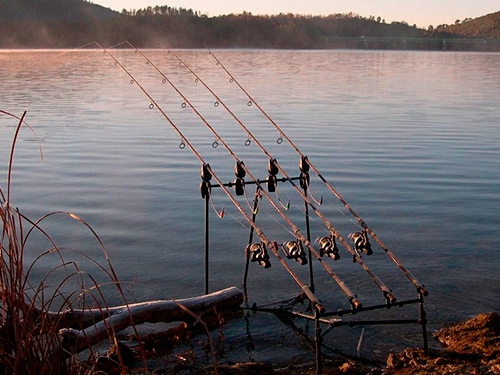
{"points": [[469, 348]]}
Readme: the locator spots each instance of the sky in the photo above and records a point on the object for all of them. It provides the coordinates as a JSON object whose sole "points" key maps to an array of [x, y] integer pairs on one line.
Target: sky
{"points": [[420, 12]]}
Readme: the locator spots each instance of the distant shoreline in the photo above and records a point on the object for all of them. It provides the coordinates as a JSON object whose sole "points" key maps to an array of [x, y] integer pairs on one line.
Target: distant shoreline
{"points": [[338, 43]]}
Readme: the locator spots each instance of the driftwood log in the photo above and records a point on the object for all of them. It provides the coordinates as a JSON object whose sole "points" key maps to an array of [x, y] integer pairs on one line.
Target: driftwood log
{"points": [[98, 324]]}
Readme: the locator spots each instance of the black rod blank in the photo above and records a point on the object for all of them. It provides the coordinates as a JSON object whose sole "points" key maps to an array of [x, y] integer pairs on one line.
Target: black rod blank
{"points": [[275, 166], [420, 288], [270, 245]]}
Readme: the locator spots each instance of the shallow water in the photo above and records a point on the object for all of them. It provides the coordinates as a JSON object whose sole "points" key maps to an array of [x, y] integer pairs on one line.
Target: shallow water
{"points": [[409, 139]]}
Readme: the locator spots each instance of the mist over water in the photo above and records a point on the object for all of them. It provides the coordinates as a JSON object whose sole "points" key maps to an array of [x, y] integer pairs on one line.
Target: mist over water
{"points": [[409, 139]]}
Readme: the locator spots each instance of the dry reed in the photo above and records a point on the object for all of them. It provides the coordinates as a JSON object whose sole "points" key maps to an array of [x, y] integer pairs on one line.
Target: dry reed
{"points": [[32, 314]]}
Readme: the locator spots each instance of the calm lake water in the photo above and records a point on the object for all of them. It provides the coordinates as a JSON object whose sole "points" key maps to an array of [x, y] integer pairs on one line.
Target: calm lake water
{"points": [[410, 139]]}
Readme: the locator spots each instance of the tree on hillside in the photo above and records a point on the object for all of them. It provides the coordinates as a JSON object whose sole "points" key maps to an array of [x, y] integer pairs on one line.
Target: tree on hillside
{"points": [[69, 23]]}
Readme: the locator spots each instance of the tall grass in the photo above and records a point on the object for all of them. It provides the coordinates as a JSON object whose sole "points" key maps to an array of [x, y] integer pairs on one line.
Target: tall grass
{"points": [[38, 314], [31, 314]]}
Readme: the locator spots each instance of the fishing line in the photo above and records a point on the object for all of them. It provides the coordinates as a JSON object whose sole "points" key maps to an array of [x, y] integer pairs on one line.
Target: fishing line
{"points": [[280, 224], [185, 103], [360, 342], [420, 288], [298, 235], [295, 230], [250, 135], [272, 246], [273, 164], [116, 45], [318, 202], [198, 79], [344, 214], [287, 206], [69, 51], [219, 214], [237, 220], [317, 223], [254, 212]]}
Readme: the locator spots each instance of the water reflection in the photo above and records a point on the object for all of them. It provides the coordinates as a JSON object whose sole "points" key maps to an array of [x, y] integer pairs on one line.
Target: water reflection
{"points": [[410, 140]]}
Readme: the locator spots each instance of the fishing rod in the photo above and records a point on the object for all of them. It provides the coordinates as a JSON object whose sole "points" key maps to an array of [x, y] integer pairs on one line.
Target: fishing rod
{"points": [[273, 246], [356, 257], [239, 164], [420, 288]]}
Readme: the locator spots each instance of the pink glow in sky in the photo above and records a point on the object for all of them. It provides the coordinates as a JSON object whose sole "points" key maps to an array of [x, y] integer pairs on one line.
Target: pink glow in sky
{"points": [[420, 12]]}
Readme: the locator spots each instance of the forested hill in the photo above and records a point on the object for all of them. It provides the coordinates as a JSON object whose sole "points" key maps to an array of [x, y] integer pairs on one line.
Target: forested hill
{"points": [[483, 27], [52, 10], [52, 23], [72, 23]]}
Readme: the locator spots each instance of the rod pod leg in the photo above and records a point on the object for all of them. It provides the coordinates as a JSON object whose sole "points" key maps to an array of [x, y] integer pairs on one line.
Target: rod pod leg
{"points": [[318, 341], [308, 231], [207, 244], [423, 322], [250, 239]]}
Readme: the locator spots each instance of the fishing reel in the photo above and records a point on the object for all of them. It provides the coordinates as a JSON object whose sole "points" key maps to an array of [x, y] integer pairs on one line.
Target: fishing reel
{"points": [[361, 242], [293, 250], [328, 247], [257, 253]]}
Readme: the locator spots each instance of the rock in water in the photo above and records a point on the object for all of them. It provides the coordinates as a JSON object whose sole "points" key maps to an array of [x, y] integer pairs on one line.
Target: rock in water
{"points": [[471, 347], [477, 336]]}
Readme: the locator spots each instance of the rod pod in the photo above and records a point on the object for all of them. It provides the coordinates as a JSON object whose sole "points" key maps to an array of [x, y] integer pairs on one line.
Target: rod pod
{"points": [[317, 305]]}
